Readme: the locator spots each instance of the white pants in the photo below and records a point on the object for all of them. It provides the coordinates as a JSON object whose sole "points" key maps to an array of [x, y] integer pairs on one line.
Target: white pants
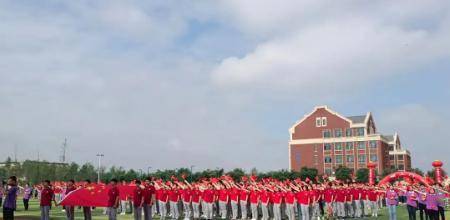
{"points": [[374, 207], [174, 210], [243, 209], [290, 211], [223, 209], [315, 210], [123, 206], [208, 210], [187, 210], [358, 212], [265, 211], [340, 206], [305, 211], [163, 209], [276, 212], [234, 209], [196, 209], [366, 207], [254, 209]]}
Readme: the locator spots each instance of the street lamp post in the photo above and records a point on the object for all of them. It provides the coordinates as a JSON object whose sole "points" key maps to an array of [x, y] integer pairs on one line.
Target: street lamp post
{"points": [[148, 170], [99, 156]]}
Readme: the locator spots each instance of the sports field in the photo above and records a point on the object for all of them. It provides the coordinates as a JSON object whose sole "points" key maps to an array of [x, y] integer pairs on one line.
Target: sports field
{"points": [[58, 214]]}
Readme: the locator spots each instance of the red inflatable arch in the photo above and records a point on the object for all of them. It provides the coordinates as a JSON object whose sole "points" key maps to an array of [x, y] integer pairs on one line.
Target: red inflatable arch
{"points": [[402, 174]]}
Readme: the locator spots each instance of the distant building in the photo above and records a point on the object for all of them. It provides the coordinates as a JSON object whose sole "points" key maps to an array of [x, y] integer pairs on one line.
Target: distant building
{"points": [[325, 140]]}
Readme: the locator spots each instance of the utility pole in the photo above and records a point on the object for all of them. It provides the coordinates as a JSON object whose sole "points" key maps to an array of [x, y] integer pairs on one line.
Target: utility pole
{"points": [[63, 151], [99, 156], [15, 153]]}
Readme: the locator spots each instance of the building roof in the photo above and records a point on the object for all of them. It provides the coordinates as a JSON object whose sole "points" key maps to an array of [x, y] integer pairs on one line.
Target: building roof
{"points": [[389, 137], [357, 119]]}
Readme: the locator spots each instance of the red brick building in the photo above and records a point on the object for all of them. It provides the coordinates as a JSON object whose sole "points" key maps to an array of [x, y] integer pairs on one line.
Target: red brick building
{"points": [[325, 140]]}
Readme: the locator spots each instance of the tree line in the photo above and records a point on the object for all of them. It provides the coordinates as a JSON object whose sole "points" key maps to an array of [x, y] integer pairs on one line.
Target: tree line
{"points": [[35, 171]]}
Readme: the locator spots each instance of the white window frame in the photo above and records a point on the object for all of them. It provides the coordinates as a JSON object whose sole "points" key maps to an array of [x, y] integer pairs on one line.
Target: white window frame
{"points": [[324, 121], [318, 122]]}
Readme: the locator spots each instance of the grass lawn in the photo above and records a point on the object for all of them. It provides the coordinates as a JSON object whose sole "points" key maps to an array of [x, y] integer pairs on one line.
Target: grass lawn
{"points": [[57, 214]]}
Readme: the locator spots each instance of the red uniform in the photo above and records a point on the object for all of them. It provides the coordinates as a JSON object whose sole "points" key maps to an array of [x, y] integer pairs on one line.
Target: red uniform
{"points": [[195, 195], [186, 194], [47, 197], [148, 194], [234, 194], [264, 196], [277, 197], [302, 197], [254, 197], [328, 195], [208, 196], [340, 195], [138, 194], [174, 195], [113, 194], [243, 196], [223, 195], [290, 198], [356, 193]]}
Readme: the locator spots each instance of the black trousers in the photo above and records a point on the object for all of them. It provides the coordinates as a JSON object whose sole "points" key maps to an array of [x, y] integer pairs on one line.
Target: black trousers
{"points": [[433, 214], [423, 211], [441, 212], [411, 212], [8, 214], [25, 204]]}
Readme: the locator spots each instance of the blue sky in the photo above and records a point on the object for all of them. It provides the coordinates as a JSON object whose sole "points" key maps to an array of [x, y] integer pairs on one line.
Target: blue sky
{"points": [[216, 83]]}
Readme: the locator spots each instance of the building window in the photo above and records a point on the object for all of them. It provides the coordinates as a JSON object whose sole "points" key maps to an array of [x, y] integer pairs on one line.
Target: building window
{"points": [[328, 171], [348, 132], [324, 121], [361, 145], [349, 146], [373, 144], [327, 159], [338, 159], [350, 159], [393, 167], [401, 167], [362, 158], [326, 133], [400, 157], [359, 131], [338, 132], [391, 157], [327, 146], [315, 148], [373, 158], [318, 122], [391, 147], [338, 146]]}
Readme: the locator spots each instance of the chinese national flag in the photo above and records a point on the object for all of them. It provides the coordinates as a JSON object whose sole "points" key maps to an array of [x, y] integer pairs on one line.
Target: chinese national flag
{"points": [[94, 195]]}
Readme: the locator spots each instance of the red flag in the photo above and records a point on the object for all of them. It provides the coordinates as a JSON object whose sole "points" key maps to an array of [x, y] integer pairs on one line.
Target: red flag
{"points": [[95, 195]]}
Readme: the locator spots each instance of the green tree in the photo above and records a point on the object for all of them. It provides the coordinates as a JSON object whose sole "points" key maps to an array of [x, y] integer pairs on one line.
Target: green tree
{"points": [[362, 175], [343, 173], [310, 173], [236, 174]]}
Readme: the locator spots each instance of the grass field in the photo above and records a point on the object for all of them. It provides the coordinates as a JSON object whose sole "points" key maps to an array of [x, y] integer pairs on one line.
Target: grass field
{"points": [[57, 214]]}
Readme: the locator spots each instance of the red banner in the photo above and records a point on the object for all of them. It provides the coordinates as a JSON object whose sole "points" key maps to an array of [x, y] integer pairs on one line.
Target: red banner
{"points": [[95, 195]]}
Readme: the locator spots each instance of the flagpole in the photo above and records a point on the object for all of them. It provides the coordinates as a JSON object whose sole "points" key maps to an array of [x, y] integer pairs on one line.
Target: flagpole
{"points": [[99, 156]]}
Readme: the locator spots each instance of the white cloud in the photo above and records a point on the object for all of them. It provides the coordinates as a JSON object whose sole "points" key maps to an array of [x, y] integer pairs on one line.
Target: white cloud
{"points": [[338, 50]]}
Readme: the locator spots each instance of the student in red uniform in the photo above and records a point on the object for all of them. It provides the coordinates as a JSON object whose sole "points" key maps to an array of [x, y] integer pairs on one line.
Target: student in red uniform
{"points": [[113, 200], [47, 196], [186, 195], [277, 198], [290, 203], [254, 200], [163, 198], [243, 200], [70, 210], [264, 197], [341, 194], [138, 200], [195, 197], [174, 197], [348, 201], [315, 197], [234, 201], [373, 196], [328, 197], [149, 198], [208, 200], [223, 201]]}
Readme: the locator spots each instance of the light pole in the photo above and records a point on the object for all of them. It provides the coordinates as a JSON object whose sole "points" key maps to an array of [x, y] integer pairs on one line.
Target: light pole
{"points": [[99, 156], [140, 173], [148, 170]]}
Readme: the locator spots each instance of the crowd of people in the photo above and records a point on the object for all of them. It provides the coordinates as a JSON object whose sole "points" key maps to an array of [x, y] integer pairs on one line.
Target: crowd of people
{"points": [[246, 199]]}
